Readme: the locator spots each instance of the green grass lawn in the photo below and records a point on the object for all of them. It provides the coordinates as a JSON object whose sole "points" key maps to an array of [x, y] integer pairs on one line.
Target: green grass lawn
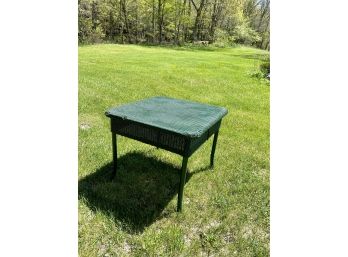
{"points": [[226, 209]]}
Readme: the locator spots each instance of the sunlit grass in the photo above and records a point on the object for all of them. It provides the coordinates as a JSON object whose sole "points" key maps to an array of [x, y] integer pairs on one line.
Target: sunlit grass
{"points": [[225, 210]]}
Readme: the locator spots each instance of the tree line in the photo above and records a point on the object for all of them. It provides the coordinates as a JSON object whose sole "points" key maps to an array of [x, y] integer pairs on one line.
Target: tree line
{"points": [[220, 22]]}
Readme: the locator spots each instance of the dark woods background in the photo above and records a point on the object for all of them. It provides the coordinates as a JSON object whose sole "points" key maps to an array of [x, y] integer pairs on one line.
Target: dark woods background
{"points": [[218, 22]]}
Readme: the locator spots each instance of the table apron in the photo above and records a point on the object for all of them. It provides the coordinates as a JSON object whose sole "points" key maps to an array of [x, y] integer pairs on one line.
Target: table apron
{"points": [[195, 143], [168, 140]]}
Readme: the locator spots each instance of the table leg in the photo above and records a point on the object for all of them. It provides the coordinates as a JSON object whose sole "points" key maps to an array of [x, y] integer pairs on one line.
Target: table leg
{"points": [[182, 183], [114, 154], [213, 149]]}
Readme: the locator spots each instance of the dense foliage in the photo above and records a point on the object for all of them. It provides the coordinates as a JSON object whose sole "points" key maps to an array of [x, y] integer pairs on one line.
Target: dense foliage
{"points": [[222, 22]]}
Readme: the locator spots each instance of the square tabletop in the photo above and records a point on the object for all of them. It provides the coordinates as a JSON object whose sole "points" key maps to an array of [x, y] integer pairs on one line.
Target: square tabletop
{"points": [[184, 117]]}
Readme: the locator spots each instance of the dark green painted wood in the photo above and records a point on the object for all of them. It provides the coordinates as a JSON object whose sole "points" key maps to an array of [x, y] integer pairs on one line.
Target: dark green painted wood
{"points": [[182, 183], [114, 154], [213, 149]]}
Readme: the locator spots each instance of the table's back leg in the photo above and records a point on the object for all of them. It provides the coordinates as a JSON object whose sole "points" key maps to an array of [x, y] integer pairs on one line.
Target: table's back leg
{"points": [[182, 182], [114, 154], [213, 149]]}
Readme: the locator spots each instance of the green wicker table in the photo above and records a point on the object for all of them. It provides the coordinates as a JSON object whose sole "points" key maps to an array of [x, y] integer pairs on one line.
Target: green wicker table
{"points": [[175, 125]]}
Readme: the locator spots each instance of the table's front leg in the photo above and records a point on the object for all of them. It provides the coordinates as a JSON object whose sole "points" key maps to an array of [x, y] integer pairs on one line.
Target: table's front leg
{"points": [[182, 182], [213, 149], [114, 154]]}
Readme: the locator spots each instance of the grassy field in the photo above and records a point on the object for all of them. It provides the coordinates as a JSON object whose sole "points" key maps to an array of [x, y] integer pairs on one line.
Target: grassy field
{"points": [[226, 209]]}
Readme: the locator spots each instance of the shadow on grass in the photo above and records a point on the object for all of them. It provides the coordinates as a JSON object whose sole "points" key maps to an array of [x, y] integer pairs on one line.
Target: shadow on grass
{"points": [[137, 196]]}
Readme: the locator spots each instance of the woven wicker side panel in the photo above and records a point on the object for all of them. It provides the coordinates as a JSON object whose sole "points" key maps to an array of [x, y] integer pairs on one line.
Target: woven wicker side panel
{"points": [[171, 140], [140, 132], [152, 135]]}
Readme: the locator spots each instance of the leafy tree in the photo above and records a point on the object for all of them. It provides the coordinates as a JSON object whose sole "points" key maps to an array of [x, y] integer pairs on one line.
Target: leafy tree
{"points": [[174, 21]]}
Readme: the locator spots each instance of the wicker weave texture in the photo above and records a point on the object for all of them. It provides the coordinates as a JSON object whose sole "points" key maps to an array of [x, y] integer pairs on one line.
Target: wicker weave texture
{"points": [[151, 135], [180, 116]]}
